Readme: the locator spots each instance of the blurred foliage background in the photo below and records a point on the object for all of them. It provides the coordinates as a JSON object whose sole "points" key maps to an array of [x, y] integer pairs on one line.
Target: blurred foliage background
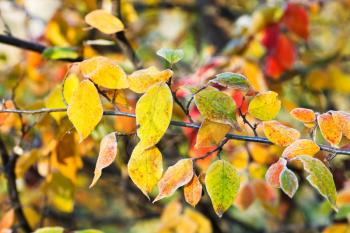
{"points": [[299, 49]]}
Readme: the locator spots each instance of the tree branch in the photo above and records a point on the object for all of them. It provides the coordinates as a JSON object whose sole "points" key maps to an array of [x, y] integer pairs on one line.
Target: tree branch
{"points": [[9, 163], [174, 123]]}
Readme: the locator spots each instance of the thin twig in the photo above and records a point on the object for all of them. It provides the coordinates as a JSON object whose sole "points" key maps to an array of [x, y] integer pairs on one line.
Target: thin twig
{"points": [[174, 123], [245, 121], [217, 149]]}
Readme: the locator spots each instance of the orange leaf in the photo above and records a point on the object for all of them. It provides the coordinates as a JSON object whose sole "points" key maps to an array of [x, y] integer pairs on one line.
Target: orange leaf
{"points": [[329, 128], [280, 134], [343, 121], [264, 192], [193, 191], [301, 147], [304, 115], [245, 197], [211, 133], [8, 104], [274, 172], [174, 177], [106, 156], [7, 220]]}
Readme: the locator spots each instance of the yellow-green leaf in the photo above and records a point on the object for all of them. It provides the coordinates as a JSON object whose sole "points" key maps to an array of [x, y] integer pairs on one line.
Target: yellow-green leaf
{"points": [[171, 55], [222, 182], [174, 177], [320, 177], [104, 72], [289, 182], [145, 168], [55, 100], [265, 106], [216, 106], [211, 133], [50, 230], [153, 114], [106, 156], [104, 21], [141, 80], [280, 134], [85, 110], [232, 80]]}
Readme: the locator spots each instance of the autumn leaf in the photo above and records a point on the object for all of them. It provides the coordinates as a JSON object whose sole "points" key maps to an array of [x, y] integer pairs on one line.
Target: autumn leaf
{"points": [[231, 80], [330, 130], [280, 134], [8, 104], [174, 177], [106, 156], [274, 172], [49, 230], [216, 106], [289, 182], [265, 106], [71, 82], [7, 220], [342, 119], [56, 53], [222, 182], [300, 147], [264, 192], [55, 100], [211, 133], [245, 197], [141, 80], [153, 114], [320, 178], [104, 72], [145, 168], [104, 21], [296, 20], [193, 191], [304, 115], [85, 110]]}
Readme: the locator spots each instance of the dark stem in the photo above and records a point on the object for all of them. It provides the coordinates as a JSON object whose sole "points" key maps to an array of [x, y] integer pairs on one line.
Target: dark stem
{"points": [[245, 121], [217, 149], [9, 163], [174, 123]]}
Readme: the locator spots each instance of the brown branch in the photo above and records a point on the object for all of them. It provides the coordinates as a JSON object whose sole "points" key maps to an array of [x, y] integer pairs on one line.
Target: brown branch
{"points": [[174, 123], [245, 121], [9, 163]]}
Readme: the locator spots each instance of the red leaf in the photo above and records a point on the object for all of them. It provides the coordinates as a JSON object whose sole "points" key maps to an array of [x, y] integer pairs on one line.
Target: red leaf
{"points": [[270, 36], [295, 18], [272, 67], [285, 52]]}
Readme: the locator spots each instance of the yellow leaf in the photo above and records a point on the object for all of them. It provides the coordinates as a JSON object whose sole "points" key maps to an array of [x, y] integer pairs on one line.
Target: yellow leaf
{"points": [[145, 168], [203, 224], [193, 191], [239, 157], [343, 121], [106, 156], [55, 100], [104, 72], [104, 21], [330, 130], [280, 134], [174, 177], [301, 147], [265, 106], [337, 228], [153, 114], [85, 110], [69, 86], [141, 80], [211, 133]]}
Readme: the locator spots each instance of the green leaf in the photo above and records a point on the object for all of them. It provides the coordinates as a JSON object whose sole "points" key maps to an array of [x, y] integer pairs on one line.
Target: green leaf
{"points": [[343, 212], [216, 106], [222, 183], [50, 230], [232, 80], [56, 53], [320, 178], [171, 55], [289, 182]]}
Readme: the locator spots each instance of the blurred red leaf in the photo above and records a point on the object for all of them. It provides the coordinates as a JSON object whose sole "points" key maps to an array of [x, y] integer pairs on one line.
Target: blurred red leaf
{"points": [[296, 20]]}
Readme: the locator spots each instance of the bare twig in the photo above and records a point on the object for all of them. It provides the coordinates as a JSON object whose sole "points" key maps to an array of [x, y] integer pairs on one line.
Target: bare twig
{"points": [[245, 121], [217, 149], [174, 123]]}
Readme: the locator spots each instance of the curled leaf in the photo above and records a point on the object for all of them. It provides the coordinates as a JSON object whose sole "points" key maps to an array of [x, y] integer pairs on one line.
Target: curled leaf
{"points": [[104, 21], [85, 109], [320, 178], [280, 134], [301, 147], [222, 182], [145, 168], [304, 115], [330, 130], [265, 106], [153, 114], [174, 177], [193, 191], [106, 156], [232, 80]]}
